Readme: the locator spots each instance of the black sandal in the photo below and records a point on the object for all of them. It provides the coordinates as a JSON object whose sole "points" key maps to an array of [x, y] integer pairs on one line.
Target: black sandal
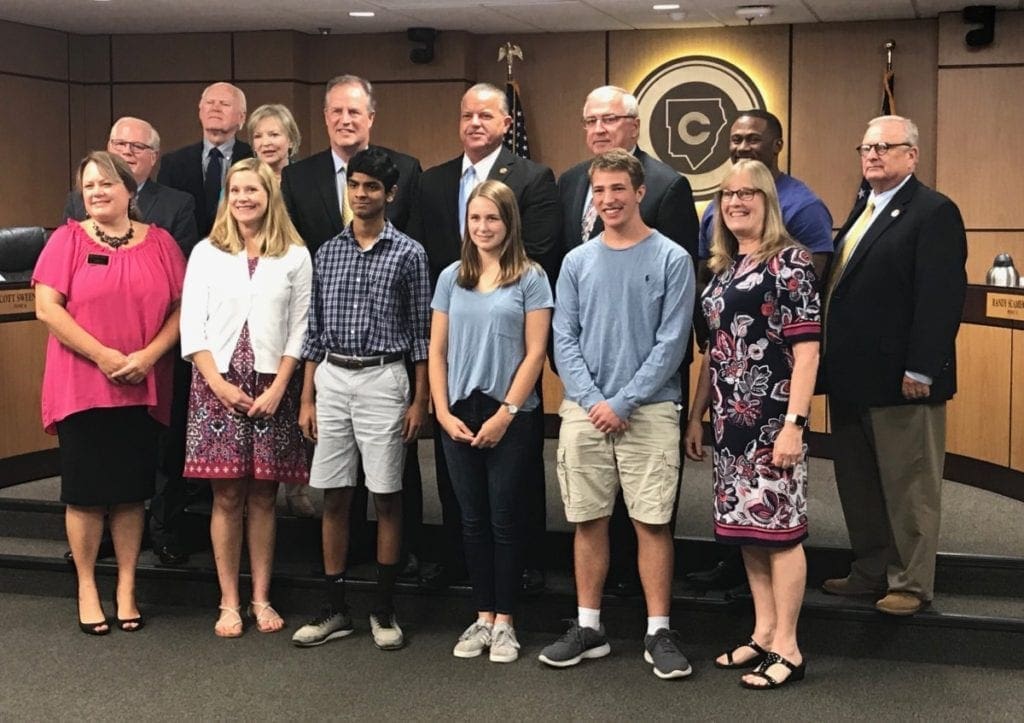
{"points": [[751, 663], [796, 673], [132, 625], [100, 628]]}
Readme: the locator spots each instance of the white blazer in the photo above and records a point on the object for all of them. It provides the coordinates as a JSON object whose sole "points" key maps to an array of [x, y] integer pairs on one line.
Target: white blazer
{"points": [[219, 297]]}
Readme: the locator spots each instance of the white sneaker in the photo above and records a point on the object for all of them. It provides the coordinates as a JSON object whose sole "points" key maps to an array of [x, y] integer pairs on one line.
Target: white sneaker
{"points": [[475, 639], [504, 646], [329, 625], [386, 633]]}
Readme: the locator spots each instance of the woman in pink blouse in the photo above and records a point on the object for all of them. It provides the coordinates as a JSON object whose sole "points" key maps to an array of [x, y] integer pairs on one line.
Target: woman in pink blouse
{"points": [[109, 290]]}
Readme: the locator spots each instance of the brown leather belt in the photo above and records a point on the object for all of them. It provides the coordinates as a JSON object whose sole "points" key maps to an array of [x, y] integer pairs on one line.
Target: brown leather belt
{"points": [[363, 362]]}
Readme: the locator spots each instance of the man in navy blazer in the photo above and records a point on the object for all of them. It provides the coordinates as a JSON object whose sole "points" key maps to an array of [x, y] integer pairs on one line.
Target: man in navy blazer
{"points": [[611, 120], [138, 143], [893, 303], [436, 223], [221, 113], [313, 188]]}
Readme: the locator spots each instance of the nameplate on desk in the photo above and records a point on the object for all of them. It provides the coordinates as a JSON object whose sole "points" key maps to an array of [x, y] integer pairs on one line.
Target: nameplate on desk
{"points": [[16, 302], [1004, 306]]}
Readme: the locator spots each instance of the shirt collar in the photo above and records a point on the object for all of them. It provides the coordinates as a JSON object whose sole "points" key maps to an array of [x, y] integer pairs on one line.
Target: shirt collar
{"points": [[225, 148], [338, 162], [483, 166], [882, 199]]}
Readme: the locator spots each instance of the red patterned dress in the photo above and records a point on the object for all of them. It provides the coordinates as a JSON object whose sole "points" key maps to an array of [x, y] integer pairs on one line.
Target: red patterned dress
{"points": [[228, 445]]}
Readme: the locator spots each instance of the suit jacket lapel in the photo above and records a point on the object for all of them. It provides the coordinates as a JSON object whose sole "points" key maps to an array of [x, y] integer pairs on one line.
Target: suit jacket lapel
{"points": [[890, 215], [327, 185], [503, 167], [146, 199]]}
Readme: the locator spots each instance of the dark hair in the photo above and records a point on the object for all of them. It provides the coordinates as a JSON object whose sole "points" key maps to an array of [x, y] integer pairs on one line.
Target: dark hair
{"points": [[770, 119], [374, 163], [618, 160], [113, 168]]}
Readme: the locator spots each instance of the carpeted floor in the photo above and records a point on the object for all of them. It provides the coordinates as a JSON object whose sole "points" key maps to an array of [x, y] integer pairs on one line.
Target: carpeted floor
{"points": [[176, 669]]}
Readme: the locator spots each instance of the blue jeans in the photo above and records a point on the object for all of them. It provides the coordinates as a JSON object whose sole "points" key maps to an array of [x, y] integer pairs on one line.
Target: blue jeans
{"points": [[490, 487]]}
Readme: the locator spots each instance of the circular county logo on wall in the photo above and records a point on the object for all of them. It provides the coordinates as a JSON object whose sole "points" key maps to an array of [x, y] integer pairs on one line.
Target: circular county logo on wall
{"points": [[684, 109]]}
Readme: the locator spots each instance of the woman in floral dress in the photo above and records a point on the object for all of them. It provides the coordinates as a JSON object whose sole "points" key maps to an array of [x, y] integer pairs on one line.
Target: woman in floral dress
{"points": [[758, 377], [243, 317]]}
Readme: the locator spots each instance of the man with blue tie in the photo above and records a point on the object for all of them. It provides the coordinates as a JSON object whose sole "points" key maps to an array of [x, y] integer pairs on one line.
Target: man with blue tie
{"points": [[199, 169]]}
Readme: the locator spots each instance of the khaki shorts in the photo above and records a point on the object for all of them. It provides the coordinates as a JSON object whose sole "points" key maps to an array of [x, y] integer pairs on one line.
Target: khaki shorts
{"points": [[643, 461]]}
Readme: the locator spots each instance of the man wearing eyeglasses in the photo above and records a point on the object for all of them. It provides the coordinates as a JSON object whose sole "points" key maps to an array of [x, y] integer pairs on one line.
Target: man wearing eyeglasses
{"points": [[138, 143], [893, 302], [611, 120]]}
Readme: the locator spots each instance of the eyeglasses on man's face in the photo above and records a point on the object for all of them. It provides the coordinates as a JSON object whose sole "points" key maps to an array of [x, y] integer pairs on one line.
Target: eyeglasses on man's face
{"points": [[880, 149], [607, 121], [135, 146]]}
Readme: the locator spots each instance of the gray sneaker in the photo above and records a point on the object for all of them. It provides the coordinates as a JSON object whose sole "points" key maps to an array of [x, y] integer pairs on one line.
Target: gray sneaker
{"points": [[504, 646], [474, 640], [329, 625], [386, 633], [662, 651], [576, 644]]}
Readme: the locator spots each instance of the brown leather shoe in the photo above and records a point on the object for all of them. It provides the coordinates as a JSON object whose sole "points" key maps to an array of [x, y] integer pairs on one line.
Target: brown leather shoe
{"points": [[845, 586], [900, 603]]}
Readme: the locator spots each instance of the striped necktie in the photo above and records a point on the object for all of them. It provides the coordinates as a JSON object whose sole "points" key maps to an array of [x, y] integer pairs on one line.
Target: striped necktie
{"points": [[346, 209], [589, 219]]}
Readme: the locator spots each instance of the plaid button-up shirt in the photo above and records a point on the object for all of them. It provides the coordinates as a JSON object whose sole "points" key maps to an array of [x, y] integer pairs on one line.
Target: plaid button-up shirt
{"points": [[369, 302]]}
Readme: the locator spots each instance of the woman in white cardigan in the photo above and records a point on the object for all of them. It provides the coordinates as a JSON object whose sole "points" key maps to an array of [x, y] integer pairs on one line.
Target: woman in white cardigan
{"points": [[243, 316]]}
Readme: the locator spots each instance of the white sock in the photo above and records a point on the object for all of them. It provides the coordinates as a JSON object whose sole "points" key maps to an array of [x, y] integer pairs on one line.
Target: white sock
{"points": [[657, 623], [589, 618]]}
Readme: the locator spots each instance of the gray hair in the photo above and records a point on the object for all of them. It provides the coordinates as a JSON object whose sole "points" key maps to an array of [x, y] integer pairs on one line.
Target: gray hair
{"points": [[630, 106], [491, 88], [154, 137], [909, 128], [239, 95], [348, 79]]}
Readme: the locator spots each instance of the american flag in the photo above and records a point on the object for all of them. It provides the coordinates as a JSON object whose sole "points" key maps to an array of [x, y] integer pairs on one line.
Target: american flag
{"points": [[515, 136], [888, 108]]}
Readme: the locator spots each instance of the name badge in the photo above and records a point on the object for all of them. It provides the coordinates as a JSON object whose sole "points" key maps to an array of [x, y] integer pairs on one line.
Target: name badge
{"points": [[99, 259]]}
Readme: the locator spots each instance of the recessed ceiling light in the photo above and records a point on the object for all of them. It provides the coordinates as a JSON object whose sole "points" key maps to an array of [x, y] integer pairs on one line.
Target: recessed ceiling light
{"points": [[361, 14], [665, 6]]}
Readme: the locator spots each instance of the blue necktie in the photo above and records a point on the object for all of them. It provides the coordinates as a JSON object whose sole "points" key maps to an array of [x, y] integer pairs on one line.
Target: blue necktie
{"points": [[212, 183], [466, 187]]}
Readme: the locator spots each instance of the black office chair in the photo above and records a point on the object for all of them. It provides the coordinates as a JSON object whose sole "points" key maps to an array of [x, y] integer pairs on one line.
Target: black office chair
{"points": [[20, 247]]}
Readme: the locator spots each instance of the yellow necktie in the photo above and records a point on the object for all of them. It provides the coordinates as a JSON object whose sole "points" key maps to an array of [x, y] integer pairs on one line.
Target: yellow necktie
{"points": [[346, 210], [850, 241]]}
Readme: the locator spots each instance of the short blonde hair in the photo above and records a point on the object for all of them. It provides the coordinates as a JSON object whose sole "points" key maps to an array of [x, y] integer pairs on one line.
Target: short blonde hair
{"points": [[278, 232], [283, 116], [774, 237]]}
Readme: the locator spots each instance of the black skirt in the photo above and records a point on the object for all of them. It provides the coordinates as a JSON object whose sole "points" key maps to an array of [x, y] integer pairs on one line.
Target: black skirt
{"points": [[108, 456]]}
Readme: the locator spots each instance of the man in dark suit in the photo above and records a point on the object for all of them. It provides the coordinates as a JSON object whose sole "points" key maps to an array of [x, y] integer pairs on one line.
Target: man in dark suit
{"points": [[611, 120], [314, 191], [199, 169], [438, 217], [314, 188], [893, 304], [138, 143]]}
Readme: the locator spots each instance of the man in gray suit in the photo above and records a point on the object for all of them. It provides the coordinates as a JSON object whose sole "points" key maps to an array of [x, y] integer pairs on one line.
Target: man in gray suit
{"points": [[138, 143], [611, 120]]}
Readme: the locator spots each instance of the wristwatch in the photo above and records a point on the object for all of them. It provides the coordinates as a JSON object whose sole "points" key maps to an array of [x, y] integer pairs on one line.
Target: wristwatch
{"points": [[512, 408], [797, 419]]}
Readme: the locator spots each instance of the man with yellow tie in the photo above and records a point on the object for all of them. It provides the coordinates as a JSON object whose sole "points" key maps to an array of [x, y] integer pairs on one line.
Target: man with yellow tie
{"points": [[893, 302]]}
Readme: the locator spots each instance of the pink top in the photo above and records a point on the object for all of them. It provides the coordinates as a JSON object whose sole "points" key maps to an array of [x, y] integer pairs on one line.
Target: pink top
{"points": [[122, 298]]}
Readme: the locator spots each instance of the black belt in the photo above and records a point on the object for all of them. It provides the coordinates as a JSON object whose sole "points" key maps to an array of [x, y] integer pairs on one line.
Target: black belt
{"points": [[363, 362]]}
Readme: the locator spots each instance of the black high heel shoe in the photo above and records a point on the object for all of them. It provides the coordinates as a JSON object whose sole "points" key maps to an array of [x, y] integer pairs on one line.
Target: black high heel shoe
{"points": [[128, 625], [100, 628]]}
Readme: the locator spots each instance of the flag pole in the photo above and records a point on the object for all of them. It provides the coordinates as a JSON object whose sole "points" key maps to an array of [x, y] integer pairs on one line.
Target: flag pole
{"points": [[509, 52]]}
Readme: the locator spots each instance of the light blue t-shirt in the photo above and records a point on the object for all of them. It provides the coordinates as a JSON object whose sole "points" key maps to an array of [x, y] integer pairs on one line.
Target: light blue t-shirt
{"points": [[622, 322], [486, 332]]}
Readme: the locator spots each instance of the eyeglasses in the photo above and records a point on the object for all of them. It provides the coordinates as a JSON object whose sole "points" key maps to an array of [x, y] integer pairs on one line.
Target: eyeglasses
{"points": [[125, 145], [606, 120], [743, 194], [879, 148]]}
